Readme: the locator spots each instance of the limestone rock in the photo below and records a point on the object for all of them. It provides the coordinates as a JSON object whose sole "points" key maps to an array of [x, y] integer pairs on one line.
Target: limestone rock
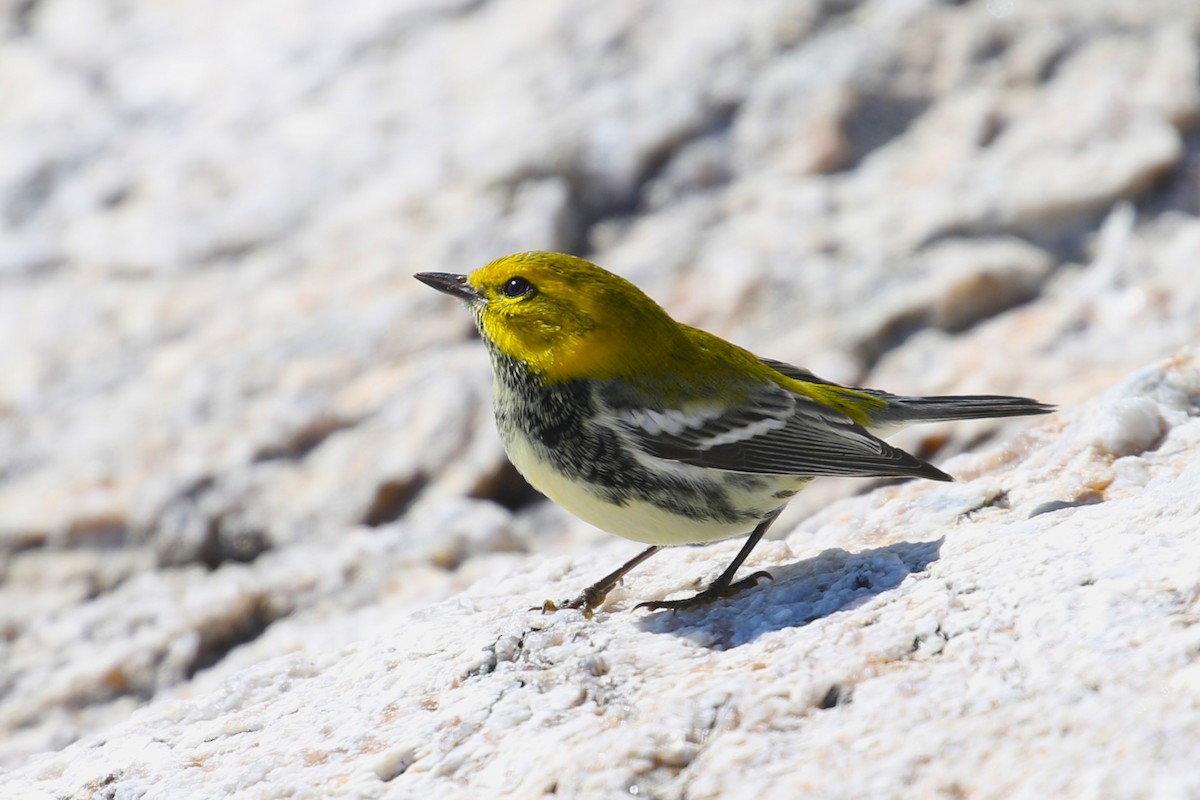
{"points": [[257, 532]]}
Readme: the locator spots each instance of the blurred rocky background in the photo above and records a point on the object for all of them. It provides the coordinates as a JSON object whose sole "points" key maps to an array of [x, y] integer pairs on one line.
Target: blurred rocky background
{"points": [[233, 428]]}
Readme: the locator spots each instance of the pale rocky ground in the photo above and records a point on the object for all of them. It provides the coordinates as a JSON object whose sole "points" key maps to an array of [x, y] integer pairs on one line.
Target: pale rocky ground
{"points": [[257, 535]]}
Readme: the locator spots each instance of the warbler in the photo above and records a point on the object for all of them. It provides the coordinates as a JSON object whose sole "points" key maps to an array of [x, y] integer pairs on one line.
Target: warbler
{"points": [[663, 433]]}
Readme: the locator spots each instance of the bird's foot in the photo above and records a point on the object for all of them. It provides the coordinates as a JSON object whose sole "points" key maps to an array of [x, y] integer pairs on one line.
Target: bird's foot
{"points": [[716, 591], [594, 595], [587, 602]]}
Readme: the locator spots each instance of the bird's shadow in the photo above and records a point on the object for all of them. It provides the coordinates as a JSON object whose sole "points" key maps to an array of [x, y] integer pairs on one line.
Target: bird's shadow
{"points": [[832, 581]]}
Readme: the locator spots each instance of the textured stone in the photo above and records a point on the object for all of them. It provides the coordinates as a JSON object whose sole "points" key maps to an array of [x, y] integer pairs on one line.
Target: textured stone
{"points": [[979, 619], [250, 493]]}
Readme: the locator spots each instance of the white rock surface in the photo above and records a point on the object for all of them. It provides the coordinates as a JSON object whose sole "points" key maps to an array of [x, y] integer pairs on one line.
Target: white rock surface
{"points": [[258, 538], [1029, 631]]}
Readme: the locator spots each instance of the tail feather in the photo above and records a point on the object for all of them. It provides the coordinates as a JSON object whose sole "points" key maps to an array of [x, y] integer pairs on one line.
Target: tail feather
{"points": [[908, 410], [896, 412]]}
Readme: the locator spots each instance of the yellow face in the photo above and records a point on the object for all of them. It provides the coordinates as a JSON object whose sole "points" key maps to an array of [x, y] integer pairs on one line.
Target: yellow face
{"points": [[564, 316]]}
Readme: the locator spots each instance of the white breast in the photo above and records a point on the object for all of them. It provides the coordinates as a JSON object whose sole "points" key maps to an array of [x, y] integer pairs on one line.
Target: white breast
{"points": [[635, 519]]}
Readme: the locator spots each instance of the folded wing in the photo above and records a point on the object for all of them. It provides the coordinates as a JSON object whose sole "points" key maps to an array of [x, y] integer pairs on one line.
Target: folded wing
{"points": [[773, 431]]}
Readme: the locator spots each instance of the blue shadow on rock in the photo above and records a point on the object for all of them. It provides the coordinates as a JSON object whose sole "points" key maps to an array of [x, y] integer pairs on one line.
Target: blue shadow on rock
{"points": [[832, 581]]}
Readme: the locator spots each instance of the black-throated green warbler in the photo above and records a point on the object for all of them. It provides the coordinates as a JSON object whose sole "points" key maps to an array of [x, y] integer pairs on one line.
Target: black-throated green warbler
{"points": [[663, 433]]}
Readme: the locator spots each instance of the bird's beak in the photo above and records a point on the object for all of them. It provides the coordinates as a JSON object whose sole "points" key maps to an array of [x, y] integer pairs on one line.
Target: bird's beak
{"points": [[451, 284]]}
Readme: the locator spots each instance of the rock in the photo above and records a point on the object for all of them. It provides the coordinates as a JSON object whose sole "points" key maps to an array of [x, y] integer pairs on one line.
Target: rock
{"points": [[257, 531], [963, 616], [955, 285]]}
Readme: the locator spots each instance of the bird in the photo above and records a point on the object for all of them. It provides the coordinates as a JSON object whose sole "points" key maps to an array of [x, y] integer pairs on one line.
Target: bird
{"points": [[663, 433]]}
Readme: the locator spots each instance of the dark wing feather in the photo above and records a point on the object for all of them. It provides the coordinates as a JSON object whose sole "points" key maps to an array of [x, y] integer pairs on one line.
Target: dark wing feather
{"points": [[792, 371], [777, 432]]}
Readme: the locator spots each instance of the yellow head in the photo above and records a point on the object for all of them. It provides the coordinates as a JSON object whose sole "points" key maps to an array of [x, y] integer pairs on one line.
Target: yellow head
{"points": [[565, 317]]}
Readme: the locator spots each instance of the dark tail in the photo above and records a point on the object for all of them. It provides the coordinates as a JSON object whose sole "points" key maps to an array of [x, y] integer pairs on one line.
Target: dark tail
{"points": [[908, 410], [900, 411]]}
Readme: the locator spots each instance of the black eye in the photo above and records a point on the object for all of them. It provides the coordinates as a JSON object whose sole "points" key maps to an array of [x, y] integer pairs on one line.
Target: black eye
{"points": [[516, 287]]}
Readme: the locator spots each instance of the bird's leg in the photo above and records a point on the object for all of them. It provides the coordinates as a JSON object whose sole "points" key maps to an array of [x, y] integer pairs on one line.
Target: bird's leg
{"points": [[594, 595], [723, 586]]}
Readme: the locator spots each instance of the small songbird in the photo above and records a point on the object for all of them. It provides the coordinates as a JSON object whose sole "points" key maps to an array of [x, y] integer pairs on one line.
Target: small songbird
{"points": [[663, 433]]}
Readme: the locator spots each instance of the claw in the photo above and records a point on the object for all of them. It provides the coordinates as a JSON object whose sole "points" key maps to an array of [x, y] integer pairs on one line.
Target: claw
{"points": [[586, 603], [713, 593], [593, 596]]}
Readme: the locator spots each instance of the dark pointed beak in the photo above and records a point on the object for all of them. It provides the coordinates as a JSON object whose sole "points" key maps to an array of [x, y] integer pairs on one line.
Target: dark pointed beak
{"points": [[451, 284]]}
